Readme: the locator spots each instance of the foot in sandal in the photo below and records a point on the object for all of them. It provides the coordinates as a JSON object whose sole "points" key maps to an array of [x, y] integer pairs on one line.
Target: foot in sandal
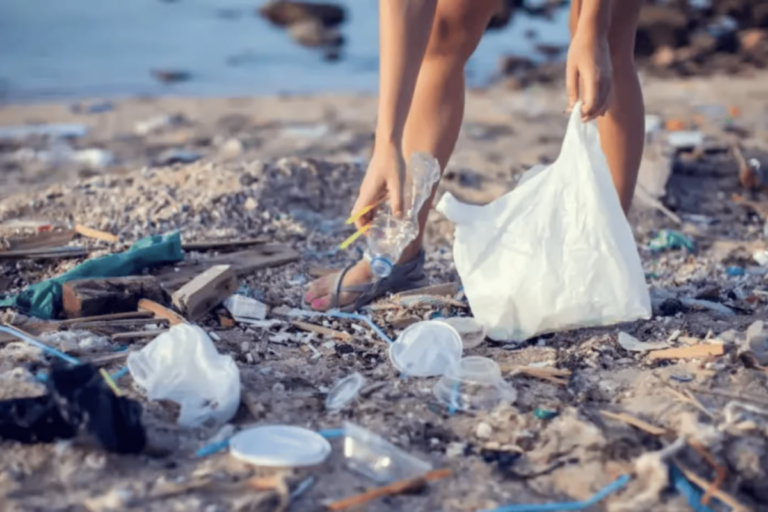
{"points": [[354, 287]]}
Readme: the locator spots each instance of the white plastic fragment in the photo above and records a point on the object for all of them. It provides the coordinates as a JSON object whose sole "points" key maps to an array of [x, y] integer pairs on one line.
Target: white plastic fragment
{"points": [[629, 342]]}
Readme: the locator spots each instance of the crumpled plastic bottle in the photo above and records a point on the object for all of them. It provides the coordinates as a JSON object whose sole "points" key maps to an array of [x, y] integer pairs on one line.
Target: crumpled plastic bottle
{"points": [[389, 235]]}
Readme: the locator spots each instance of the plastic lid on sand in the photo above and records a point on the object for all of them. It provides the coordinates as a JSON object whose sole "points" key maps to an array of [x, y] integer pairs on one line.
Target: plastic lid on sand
{"points": [[474, 383], [426, 349], [344, 391], [280, 446], [471, 332]]}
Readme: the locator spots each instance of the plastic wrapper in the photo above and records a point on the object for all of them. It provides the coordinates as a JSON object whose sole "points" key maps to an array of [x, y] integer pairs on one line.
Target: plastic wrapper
{"points": [[182, 365], [378, 459]]}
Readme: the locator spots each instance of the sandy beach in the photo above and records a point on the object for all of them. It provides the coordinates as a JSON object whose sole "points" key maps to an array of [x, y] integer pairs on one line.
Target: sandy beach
{"points": [[286, 169]]}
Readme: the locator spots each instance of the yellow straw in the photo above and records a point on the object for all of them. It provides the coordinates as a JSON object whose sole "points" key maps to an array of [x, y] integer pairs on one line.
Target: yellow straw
{"points": [[349, 241], [359, 214], [110, 382]]}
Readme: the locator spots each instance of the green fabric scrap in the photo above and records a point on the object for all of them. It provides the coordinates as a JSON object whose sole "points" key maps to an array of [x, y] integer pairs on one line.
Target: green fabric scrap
{"points": [[43, 300]]}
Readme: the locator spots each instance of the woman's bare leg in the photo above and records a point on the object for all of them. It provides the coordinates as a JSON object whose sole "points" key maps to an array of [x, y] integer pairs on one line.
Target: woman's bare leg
{"points": [[436, 112], [622, 129]]}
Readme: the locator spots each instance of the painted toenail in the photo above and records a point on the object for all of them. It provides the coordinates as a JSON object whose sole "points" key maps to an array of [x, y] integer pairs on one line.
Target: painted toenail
{"points": [[318, 303]]}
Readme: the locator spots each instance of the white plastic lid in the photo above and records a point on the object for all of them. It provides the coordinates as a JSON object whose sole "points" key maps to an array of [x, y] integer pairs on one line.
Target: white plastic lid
{"points": [[426, 349], [280, 446]]}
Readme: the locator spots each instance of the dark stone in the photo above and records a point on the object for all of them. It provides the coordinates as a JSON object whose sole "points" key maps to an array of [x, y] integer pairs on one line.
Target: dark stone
{"points": [[344, 348], [285, 13]]}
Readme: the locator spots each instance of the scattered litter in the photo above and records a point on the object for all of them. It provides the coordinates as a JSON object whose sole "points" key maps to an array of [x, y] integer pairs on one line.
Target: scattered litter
{"points": [[78, 400], [13, 331], [206, 291], [344, 391], [341, 314], [471, 332], [708, 305], [426, 349], [474, 383], [43, 299], [575, 505], [691, 352], [735, 271], [55, 131], [549, 295], [156, 123], [755, 344], [280, 446], [685, 140], [245, 309], [409, 485], [632, 344], [183, 365], [544, 414], [176, 156], [374, 457], [667, 239]]}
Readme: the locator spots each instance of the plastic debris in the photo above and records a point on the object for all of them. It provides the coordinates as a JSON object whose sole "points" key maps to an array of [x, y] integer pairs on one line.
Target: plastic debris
{"points": [[344, 391], [572, 196], [735, 271], [756, 343], [667, 239], [426, 349], [473, 384], [574, 505], [708, 305], [544, 414], [340, 314], [374, 457], [177, 156], [245, 309], [471, 332], [183, 365], [156, 123], [43, 299], [280, 446], [632, 344]]}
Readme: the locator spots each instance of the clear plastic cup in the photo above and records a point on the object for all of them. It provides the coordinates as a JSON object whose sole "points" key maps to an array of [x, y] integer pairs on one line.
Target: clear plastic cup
{"points": [[378, 459], [426, 349], [472, 384], [344, 391], [471, 332]]}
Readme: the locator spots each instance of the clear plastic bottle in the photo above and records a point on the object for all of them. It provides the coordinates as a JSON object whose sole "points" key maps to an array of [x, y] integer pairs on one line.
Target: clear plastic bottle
{"points": [[388, 235]]}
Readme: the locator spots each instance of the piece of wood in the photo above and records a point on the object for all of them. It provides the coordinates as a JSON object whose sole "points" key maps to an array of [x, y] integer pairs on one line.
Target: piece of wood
{"points": [[137, 335], [161, 311], [324, 331], [118, 324], [399, 487], [95, 233], [106, 359], [221, 244], [444, 289], [244, 263], [703, 484], [91, 297], [690, 352], [45, 240], [206, 291], [54, 253], [635, 422], [129, 315]]}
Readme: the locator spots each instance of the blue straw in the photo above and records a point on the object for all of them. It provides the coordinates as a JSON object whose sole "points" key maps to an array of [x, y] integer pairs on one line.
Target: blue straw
{"points": [[212, 448], [573, 505], [42, 346], [332, 433], [120, 373]]}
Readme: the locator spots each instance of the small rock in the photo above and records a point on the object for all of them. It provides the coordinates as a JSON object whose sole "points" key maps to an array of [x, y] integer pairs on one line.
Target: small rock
{"points": [[671, 307], [250, 204], [484, 430], [232, 148], [455, 449], [344, 348], [279, 387]]}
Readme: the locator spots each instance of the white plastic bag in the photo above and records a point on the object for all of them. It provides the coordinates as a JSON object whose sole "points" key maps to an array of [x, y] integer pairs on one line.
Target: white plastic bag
{"points": [[554, 254], [183, 366]]}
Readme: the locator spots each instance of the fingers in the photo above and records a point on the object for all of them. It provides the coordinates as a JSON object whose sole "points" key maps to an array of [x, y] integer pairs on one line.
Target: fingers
{"points": [[395, 187], [597, 93], [572, 84]]}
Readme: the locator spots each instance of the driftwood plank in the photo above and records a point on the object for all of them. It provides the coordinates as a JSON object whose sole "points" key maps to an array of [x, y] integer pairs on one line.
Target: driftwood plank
{"points": [[90, 297], [206, 291], [242, 262]]}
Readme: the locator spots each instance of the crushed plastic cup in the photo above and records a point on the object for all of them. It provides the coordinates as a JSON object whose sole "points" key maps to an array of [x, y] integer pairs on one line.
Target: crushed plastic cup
{"points": [[426, 349], [376, 458], [471, 331], [344, 391], [473, 384]]}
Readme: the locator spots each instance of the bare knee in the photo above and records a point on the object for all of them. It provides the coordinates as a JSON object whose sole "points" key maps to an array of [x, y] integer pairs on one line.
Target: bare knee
{"points": [[458, 28]]}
